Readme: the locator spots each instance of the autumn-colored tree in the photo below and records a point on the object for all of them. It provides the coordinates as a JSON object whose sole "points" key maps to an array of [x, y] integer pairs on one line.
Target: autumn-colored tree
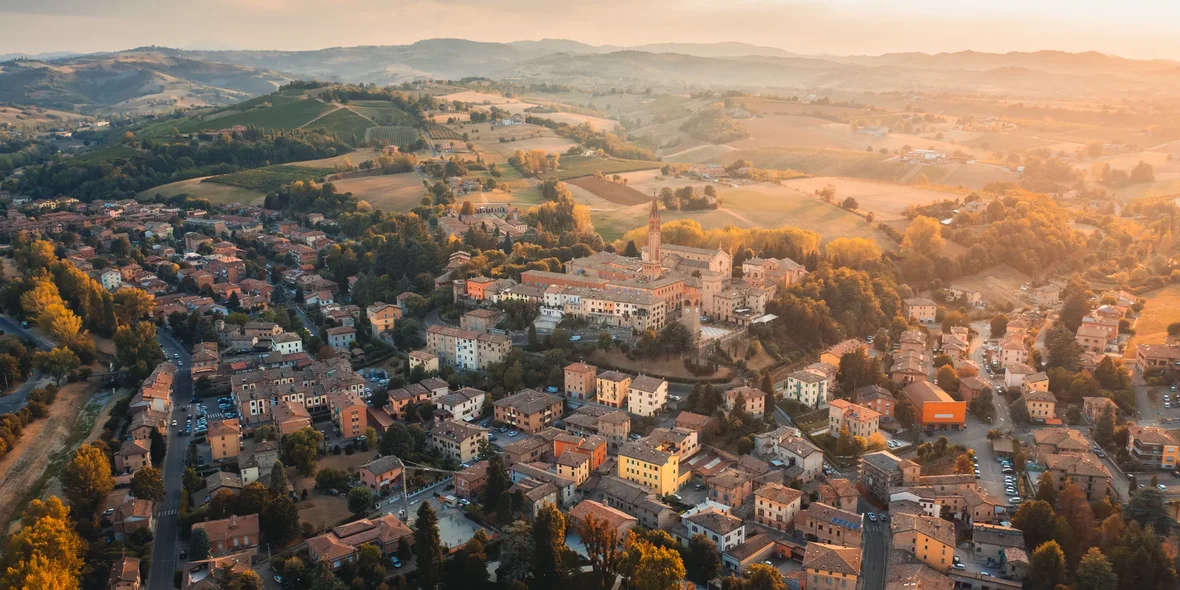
{"points": [[549, 569], [764, 577], [1047, 488], [1046, 567], [46, 552], [137, 352], [1073, 506], [59, 323], [604, 546], [654, 568], [1094, 572], [853, 252], [39, 296], [1037, 520], [964, 465], [86, 481], [132, 305], [57, 363], [148, 484], [923, 236]]}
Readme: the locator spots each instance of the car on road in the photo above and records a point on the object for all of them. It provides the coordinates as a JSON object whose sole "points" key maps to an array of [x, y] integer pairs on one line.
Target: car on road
{"points": [[1162, 487], [959, 566], [1015, 500], [502, 430], [278, 579], [183, 554], [395, 561], [512, 433], [873, 517], [174, 422], [1101, 455]]}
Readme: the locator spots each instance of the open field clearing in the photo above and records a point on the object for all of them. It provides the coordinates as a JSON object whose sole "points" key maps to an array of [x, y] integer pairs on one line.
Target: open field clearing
{"points": [[441, 118], [973, 176], [614, 192], [885, 200], [288, 115], [30, 116], [695, 154], [271, 178], [479, 98], [108, 153], [216, 193], [599, 124], [575, 166], [646, 181], [391, 192], [999, 284], [355, 157], [1161, 307], [557, 145]]}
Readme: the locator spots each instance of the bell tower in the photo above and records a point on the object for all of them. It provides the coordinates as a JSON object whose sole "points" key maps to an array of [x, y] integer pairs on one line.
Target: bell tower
{"points": [[653, 264]]}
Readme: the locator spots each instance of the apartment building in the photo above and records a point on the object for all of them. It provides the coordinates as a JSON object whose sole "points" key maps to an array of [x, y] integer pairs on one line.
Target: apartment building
{"points": [[466, 349], [1153, 446], [930, 539], [648, 466], [859, 420], [463, 405], [580, 382], [612, 388], [225, 439], [809, 388], [528, 410], [457, 440], [828, 524], [647, 396], [776, 506], [831, 567]]}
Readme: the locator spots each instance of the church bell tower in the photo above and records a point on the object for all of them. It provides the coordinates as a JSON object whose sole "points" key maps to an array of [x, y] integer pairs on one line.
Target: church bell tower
{"points": [[652, 265]]}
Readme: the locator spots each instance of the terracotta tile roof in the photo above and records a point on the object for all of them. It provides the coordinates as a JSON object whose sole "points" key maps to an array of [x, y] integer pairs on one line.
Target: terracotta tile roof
{"points": [[613, 517], [935, 528], [832, 558], [1085, 464], [716, 522], [234, 526], [916, 576], [778, 493]]}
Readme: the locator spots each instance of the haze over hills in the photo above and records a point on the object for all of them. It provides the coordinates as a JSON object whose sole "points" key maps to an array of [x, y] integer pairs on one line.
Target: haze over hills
{"points": [[164, 78]]}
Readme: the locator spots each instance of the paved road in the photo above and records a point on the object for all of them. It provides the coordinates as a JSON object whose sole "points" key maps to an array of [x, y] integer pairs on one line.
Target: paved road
{"points": [[16, 400], [1003, 419], [164, 553], [876, 553]]}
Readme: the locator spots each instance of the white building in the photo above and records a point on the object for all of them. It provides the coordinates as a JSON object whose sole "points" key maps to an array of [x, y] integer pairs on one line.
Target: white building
{"points": [[111, 279], [809, 388], [287, 343], [465, 404], [341, 338], [647, 396]]}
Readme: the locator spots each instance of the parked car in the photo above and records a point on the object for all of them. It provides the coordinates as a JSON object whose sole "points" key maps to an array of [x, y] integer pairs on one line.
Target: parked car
{"points": [[395, 561]]}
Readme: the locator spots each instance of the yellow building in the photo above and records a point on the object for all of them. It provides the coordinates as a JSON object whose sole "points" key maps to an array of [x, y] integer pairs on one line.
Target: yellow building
{"points": [[776, 505], [831, 567], [1042, 405], [612, 389], [648, 466], [1154, 447], [859, 420], [930, 539], [225, 439]]}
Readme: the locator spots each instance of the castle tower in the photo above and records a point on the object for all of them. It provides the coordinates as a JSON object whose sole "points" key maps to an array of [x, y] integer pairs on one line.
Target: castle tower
{"points": [[653, 264]]}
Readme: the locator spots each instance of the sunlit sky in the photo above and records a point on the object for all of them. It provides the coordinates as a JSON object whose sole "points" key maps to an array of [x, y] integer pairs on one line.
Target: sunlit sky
{"points": [[1132, 28]]}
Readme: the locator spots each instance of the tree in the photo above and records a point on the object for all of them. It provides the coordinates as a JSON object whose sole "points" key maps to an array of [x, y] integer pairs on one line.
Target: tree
{"points": [[198, 544], [158, 447], [498, 482], [86, 481], [279, 521], [999, 325], [905, 411], [1046, 567], [964, 465], [469, 569], [857, 369], [703, 562], [1037, 520], [1104, 428], [301, 448], [604, 547], [516, 552], [57, 363], [1073, 506], [1147, 507], [360, 499], [947, 379], [764, 577], [148, 484], [1094, 572], [923, 236], [137, 352], [253, 499], [549, 533], [132, 305], [655, 568], [278, 479], [1047, 489], [428, 548], [46, 553]]}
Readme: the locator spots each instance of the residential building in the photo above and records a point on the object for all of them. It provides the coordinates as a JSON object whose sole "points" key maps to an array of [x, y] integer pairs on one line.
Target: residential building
{"points": [[426, 360], [348, 413], [205, 358], [285, 343], [1012, 350], [290, 416], [612, 425], [730, 487], [1047, 296], [695, 422], [936, 410], [341, 545], [612, 387], [636, 500], [580, 381], [971, 387], [724, 530], [809, 388], [754, 400], [833, 355], [529, 410], [919, 310], [878, 399], [648, 466], [831, 567], [858, 420], [1094, 407], [457, 440], [230, 535], [1058, 441], [124, 574], [463, 405], [882, 471], [930, 539], [1041, 405], [133, 456], [472, 481], [615, 519], [647, 396], [466, 349], [481, 320], [592, 447], [381, 473], [787, 445], [839, 492], [776, 506], [341, 337], [1149, 356], [1092, 337], [828, 524], [988, 542], [1083, 470], [1154, 447], [225, 439]]}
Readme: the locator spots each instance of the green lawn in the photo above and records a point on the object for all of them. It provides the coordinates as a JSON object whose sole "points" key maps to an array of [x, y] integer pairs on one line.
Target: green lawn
{"points": [[288, 115], [345, 124], [271, 178]]}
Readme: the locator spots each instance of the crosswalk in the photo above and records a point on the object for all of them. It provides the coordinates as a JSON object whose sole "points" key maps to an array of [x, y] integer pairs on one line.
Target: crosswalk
{"points": [[166, 512]]}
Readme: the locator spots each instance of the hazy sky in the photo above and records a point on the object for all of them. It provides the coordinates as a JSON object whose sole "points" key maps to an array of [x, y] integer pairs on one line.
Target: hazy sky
{"points": [[1133, 28]]}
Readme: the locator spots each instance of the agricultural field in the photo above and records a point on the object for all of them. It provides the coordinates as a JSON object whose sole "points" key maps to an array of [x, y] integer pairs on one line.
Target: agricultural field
{"points": [[474, 97], [270, 178], [821, 162], [617, 193], [598, 123], [216, 193], [575, 166], [354, 157], [108, 153], [19, 117], [1161, 307], [390, 192], [287, 115], [442, 132], [499, 152], [885, 200], [345, 124], [382, 113], [649, 181], [393, 135]]}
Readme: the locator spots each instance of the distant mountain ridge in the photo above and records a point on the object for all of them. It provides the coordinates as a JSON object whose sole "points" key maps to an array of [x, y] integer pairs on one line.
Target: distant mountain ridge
{"points": [[163, 78]]}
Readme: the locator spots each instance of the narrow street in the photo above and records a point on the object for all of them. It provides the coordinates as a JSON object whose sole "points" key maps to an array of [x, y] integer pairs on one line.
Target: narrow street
{"points": [[164, 552]]}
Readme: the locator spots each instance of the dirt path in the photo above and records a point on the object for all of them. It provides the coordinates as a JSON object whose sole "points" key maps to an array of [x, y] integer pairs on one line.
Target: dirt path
{"points": [[322, 115], [44, 445], [739, 217]]}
